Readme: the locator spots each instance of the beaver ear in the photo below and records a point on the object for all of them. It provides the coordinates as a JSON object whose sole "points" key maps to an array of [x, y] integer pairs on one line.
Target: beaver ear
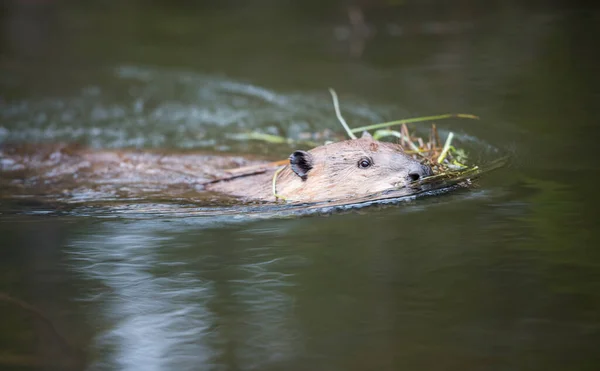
{"points": [[301, 162], [365, 134]]}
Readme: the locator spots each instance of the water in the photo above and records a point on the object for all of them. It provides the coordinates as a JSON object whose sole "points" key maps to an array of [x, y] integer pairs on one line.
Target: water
{"points": [[502, 276]]}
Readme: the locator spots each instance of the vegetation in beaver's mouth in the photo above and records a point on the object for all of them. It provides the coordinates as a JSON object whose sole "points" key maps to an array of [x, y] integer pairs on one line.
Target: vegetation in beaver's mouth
{"points": [[448, 162]]}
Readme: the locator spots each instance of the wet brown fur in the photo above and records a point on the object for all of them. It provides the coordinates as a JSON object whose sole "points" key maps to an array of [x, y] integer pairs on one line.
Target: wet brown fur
{"points": [[335, 173]]}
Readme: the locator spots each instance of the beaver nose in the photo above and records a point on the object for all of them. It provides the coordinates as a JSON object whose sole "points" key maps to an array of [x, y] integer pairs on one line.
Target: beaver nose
{"points": [[418, 171]]}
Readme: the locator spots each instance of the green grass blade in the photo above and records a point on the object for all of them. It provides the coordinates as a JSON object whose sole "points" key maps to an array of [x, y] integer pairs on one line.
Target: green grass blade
{"points": [[414, 120]]}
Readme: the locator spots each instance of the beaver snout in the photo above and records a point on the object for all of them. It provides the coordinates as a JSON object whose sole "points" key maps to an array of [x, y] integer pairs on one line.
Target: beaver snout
{"points": [[418, 171]]}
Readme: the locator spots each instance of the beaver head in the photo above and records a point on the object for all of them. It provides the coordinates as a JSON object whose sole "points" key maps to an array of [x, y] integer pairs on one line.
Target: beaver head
{"points": [[350, 168]]}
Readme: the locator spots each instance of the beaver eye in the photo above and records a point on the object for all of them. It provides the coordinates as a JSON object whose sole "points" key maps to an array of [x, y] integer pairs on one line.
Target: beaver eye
{"points": [[364, 163]]}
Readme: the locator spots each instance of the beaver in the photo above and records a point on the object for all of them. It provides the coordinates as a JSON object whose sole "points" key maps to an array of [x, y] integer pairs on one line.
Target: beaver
{"points": [[341, 170], [347, 169]]}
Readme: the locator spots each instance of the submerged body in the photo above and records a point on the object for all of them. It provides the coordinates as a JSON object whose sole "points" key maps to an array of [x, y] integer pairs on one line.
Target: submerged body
{"points": [[341, 170]]}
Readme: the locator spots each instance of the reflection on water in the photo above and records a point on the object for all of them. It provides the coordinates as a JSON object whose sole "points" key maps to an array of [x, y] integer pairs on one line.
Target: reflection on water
{"points": [[162, 306], [145, 308], [189, 293]]}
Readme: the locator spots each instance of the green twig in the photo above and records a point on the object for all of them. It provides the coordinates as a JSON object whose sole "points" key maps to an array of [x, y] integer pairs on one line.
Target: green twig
{"points": [[269, 138], [446, 148], [277, 196], [336, 105], [384, 133], [413, 120]]}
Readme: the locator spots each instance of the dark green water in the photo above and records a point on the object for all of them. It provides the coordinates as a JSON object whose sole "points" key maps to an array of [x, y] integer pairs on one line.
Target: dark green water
{"points": [[505, 276]]}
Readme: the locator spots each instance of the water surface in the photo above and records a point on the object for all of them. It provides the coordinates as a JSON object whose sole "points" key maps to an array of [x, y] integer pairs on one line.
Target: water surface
{"points": [[501, 276]]}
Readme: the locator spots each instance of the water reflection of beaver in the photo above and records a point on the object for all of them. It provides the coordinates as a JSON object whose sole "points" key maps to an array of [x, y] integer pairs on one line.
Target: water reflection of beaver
{"points": [[347, 169]]}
